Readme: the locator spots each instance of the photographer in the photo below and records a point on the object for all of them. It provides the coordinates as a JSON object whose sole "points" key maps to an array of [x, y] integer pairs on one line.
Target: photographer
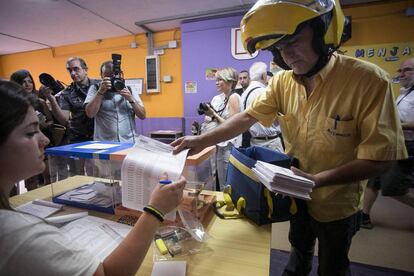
{"points": [[222, 107], [70, 111], [114, 110]]}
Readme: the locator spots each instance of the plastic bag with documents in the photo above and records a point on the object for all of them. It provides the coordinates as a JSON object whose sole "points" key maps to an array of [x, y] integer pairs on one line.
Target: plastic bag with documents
{"points": [[260, 205], [172, 242]]}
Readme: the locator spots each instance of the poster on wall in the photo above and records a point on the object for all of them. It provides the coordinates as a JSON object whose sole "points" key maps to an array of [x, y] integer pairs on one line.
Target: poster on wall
{"points": [[190, 87], [237, 48], [136, 84], [387, 56], [211, 73]]}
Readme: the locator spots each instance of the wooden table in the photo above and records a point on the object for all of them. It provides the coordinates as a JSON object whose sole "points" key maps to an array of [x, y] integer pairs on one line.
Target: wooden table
{"points": [[236, 247]]}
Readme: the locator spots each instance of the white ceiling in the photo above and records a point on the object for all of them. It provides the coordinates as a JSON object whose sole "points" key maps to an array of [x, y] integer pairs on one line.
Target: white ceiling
{"points": [[27, 25]]}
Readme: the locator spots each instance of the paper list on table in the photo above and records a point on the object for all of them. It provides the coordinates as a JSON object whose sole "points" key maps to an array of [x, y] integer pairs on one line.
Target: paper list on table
{"points": [[142, 168]]}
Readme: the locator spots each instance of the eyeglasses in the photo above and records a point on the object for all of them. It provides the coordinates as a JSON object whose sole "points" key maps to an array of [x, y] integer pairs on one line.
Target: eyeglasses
{"points": [[405, 70], [76, 69]]}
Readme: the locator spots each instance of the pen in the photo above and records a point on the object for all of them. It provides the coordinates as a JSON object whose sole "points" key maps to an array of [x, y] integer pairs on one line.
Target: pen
{"points": [[337, 118], [165, 181], [111, 232]]}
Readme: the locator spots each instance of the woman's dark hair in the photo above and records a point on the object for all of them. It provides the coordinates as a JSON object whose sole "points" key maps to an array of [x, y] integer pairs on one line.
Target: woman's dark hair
{"points": [[20, 75], [14, 103]]}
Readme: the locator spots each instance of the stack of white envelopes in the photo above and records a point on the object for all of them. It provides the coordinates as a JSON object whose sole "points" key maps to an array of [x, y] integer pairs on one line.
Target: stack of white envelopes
{"points": [[284, 181]]}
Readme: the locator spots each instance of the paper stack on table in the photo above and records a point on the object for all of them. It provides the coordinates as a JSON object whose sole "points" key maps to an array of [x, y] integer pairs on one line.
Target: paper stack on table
{"points": [[284, 181], [40, 208]]}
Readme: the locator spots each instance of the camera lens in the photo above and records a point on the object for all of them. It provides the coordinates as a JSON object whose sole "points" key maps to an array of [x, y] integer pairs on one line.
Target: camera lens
{"points": [[118, 85], [202, 108]]}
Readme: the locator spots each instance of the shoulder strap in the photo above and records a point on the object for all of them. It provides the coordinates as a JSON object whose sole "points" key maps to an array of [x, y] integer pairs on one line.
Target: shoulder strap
{"points": [[402, 98], [248, 94], [224, 107]]}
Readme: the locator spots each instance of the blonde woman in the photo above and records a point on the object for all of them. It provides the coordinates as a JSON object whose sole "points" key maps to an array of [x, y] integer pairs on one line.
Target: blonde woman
{"points": [[222, 107]]}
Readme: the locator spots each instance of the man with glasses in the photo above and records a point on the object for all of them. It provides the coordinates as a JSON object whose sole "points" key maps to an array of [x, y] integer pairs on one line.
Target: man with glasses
{"points": [[70, 111], [397, 181], [337, 118]]}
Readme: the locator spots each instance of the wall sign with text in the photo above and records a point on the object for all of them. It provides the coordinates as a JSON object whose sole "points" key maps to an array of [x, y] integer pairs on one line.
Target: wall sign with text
{"points": [[387, 56], [135, 84], [381, 52], [237, 48]]}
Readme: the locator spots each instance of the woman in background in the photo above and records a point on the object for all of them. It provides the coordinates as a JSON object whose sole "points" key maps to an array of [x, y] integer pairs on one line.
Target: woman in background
{"points": [[29, 246], [222, 107], [25, 79]]}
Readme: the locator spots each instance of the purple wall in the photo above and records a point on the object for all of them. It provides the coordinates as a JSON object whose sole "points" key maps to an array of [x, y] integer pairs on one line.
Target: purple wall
{"points": [[206, 44]]}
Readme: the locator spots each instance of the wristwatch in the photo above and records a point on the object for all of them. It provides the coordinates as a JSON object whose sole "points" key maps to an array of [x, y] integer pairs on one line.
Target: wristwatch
{"points": [[131, 102]]}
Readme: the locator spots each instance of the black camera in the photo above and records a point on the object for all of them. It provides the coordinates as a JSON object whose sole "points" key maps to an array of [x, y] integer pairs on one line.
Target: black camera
{"points": [[49, 81], [202, 108], [117, 82]]}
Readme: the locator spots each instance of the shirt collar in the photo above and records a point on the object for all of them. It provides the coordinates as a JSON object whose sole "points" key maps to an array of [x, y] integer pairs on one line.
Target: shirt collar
{"points": [[328, 67], [255, 84], [85, 86]]}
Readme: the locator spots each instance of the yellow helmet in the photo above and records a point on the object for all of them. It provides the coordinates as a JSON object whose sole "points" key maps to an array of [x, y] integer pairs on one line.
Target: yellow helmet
{"points": [[269, 21]]}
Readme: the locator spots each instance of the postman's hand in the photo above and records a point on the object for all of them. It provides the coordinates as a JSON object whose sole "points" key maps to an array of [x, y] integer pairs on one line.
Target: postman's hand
{"points": [[306, 175], [194, 143]]}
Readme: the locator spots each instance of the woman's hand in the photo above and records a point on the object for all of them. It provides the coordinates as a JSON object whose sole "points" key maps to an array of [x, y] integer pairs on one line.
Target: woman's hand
{"points": [[210, 111], [166, 197]]}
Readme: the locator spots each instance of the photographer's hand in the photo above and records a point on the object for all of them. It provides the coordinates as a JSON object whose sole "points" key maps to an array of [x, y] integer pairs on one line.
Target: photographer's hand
{"points": [[105, 85], [127, 95], [210, 112], [46, 92], [214, 115], [139, 109], [93, 106], [62, 116]]}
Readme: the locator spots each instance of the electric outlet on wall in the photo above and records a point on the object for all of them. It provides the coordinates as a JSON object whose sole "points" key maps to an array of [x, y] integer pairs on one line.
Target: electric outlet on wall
{"points": [[167, 78]]}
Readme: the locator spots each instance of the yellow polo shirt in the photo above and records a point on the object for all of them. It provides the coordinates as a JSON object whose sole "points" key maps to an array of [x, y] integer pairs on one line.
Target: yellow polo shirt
{"points": [[350, 115]]}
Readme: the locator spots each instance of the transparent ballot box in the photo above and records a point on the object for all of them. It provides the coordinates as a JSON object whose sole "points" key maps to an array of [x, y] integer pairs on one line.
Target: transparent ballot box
{"points": [[88, 174], [201, 167]]}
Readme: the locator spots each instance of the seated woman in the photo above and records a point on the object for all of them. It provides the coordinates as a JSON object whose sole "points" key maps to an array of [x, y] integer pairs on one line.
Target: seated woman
{"points": [[29, 245], [222, 107]]}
